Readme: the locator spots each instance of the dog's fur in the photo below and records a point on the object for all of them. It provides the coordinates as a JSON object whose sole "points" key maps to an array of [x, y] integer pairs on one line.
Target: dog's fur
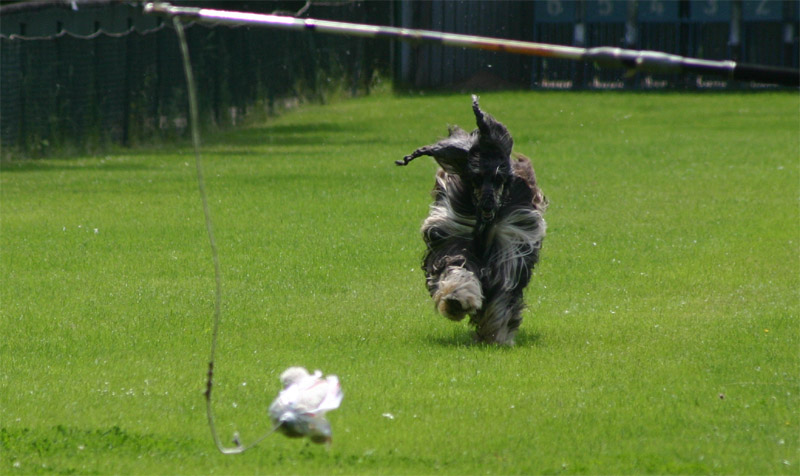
{"points": [[484, 230]]}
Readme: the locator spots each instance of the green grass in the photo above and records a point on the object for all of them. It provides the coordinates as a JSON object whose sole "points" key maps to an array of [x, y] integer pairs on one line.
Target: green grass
{"points": [[661, 337]]}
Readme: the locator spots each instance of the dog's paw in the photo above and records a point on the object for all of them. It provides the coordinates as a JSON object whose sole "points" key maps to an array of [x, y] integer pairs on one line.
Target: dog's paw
{"points": [[500, 339], [452, 309], [459, 293]]}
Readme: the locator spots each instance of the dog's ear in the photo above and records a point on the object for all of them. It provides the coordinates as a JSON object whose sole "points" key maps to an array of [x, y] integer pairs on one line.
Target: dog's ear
{"points": [[493, 134], [522, 168], [451, 153]]}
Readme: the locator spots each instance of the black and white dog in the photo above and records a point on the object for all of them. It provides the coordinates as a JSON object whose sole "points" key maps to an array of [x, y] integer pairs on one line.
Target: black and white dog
{"points": [[484, 230]]}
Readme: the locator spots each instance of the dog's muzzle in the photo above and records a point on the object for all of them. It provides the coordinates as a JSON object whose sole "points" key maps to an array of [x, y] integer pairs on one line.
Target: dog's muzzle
{"points": [[488, 203], [487, 213]]}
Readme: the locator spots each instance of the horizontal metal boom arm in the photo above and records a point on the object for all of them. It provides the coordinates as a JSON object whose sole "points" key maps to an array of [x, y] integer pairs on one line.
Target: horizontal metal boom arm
{"points": [[608, 57]]}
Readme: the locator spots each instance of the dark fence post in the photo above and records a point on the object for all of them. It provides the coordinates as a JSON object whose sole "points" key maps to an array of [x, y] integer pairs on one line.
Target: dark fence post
{"points": [[709, 35], [606, 23], [554, 21], [659, 29], [791, 25], [11, 98], [761, 31]]}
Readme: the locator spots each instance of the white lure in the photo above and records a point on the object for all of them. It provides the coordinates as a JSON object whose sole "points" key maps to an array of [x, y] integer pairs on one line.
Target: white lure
{"points": [[300, 407]]}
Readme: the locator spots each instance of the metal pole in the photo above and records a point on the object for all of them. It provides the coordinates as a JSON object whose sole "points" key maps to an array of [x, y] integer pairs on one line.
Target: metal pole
{"points": [[606, 57]]}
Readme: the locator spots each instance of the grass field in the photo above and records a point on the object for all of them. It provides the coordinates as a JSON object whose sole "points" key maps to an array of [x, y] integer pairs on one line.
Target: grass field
{"points": [[661, 336]]}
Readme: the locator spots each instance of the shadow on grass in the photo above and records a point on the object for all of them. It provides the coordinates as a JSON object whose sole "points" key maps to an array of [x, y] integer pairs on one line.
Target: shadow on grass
{"points": [[61, 440], [465, 338], [51, 165], [320, 132]]}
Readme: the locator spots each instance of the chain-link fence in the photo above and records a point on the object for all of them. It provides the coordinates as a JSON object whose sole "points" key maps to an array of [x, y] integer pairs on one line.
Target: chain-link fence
{"points": [[92, 72], [107, 73]]}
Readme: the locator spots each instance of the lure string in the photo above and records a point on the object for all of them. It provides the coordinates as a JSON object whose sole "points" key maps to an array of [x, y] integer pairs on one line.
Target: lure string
{"points": [[193, 120]]}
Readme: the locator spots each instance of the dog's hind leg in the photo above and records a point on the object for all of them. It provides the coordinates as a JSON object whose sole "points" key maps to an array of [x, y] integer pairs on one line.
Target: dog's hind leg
{"points": [[512, 327], [498, 322]]}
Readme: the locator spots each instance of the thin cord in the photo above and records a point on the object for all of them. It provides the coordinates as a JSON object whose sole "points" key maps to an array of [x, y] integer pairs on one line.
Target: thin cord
{"points": [[193, 119]]}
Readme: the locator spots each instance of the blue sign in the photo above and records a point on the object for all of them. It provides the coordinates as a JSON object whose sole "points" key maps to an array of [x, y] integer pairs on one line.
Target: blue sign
{"points": [[762, 10], [606, 10], [711, 11], [554, 11], [658, 10]]}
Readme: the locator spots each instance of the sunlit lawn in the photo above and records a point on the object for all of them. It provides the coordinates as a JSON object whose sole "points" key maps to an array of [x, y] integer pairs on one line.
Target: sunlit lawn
{"points": [[661, 336]]}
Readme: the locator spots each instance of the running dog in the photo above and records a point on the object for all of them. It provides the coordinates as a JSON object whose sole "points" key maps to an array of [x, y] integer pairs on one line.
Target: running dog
{"points": [[485, 228]]}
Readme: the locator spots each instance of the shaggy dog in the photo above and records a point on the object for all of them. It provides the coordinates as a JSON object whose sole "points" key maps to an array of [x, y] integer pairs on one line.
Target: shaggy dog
{"points": [[484, 230]]}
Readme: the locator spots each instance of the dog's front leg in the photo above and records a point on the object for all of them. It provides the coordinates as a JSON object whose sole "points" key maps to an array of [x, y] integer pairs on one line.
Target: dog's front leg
{"points": [[457, 293]]}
